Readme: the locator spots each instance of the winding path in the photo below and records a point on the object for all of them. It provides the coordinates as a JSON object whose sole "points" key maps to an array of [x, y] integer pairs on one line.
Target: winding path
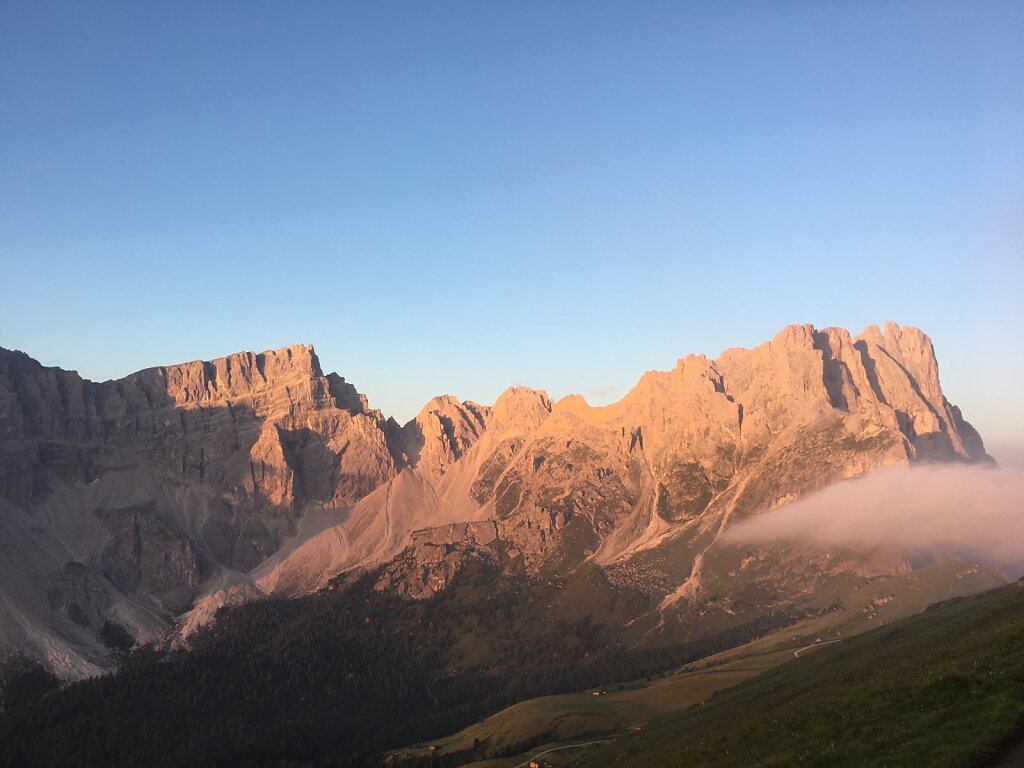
{"points": [[798, 651], [564, 746]]}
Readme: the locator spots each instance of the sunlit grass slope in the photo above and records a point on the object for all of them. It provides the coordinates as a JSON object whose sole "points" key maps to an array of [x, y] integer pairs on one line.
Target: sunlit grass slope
{"points": [[551, 721], [945, 688]]}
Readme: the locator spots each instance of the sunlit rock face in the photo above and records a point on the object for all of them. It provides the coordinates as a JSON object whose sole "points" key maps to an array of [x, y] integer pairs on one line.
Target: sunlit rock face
{"points": [[648, 483], [150, 501], [157, 483]]}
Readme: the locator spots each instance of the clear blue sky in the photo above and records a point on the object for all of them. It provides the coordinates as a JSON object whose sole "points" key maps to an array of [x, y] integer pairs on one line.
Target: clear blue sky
{"points": [[456, 197]]}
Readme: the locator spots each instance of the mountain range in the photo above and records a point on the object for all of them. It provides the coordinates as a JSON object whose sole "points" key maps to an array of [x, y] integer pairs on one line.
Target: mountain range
{"points": [[132, 510]]}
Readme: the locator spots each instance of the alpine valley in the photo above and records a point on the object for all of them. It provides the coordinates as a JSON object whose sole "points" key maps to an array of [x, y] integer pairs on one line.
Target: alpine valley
{"points": [[239, 562]]}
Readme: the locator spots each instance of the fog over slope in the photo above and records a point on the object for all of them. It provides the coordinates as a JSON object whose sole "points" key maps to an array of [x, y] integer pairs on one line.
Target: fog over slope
{"points": [[968, 512]]}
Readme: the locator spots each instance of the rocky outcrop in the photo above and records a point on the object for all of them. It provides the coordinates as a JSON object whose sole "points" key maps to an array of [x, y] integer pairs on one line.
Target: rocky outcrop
{"points": [[146, 554], [442, 433], [80, 595], [435, 555]]}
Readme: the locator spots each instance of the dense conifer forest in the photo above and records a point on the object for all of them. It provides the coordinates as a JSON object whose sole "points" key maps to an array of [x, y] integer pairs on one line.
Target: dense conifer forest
{"points": [[333, 679]]}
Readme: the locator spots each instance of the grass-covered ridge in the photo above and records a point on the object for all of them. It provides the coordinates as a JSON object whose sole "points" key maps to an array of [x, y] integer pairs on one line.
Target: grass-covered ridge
{"points": [[942, 689]]}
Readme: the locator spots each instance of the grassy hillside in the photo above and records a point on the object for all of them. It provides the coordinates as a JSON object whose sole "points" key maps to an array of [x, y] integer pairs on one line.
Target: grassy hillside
{"points": [[334, 678], [533, 725], [942, 689]]}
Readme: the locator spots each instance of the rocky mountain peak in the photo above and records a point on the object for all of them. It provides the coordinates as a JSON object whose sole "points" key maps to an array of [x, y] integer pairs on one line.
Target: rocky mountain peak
{"points": [[242, 377], [442, 432], [521, 409], [899, 371]]}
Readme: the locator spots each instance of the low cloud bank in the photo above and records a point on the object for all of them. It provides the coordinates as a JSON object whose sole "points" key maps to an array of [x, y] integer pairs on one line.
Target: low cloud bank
{"points": [[966, 512]]}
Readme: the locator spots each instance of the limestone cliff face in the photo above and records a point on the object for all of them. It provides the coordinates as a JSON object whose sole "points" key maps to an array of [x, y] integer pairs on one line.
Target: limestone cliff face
{"points": [[161, 496], [160, 481], [269, 426]]}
